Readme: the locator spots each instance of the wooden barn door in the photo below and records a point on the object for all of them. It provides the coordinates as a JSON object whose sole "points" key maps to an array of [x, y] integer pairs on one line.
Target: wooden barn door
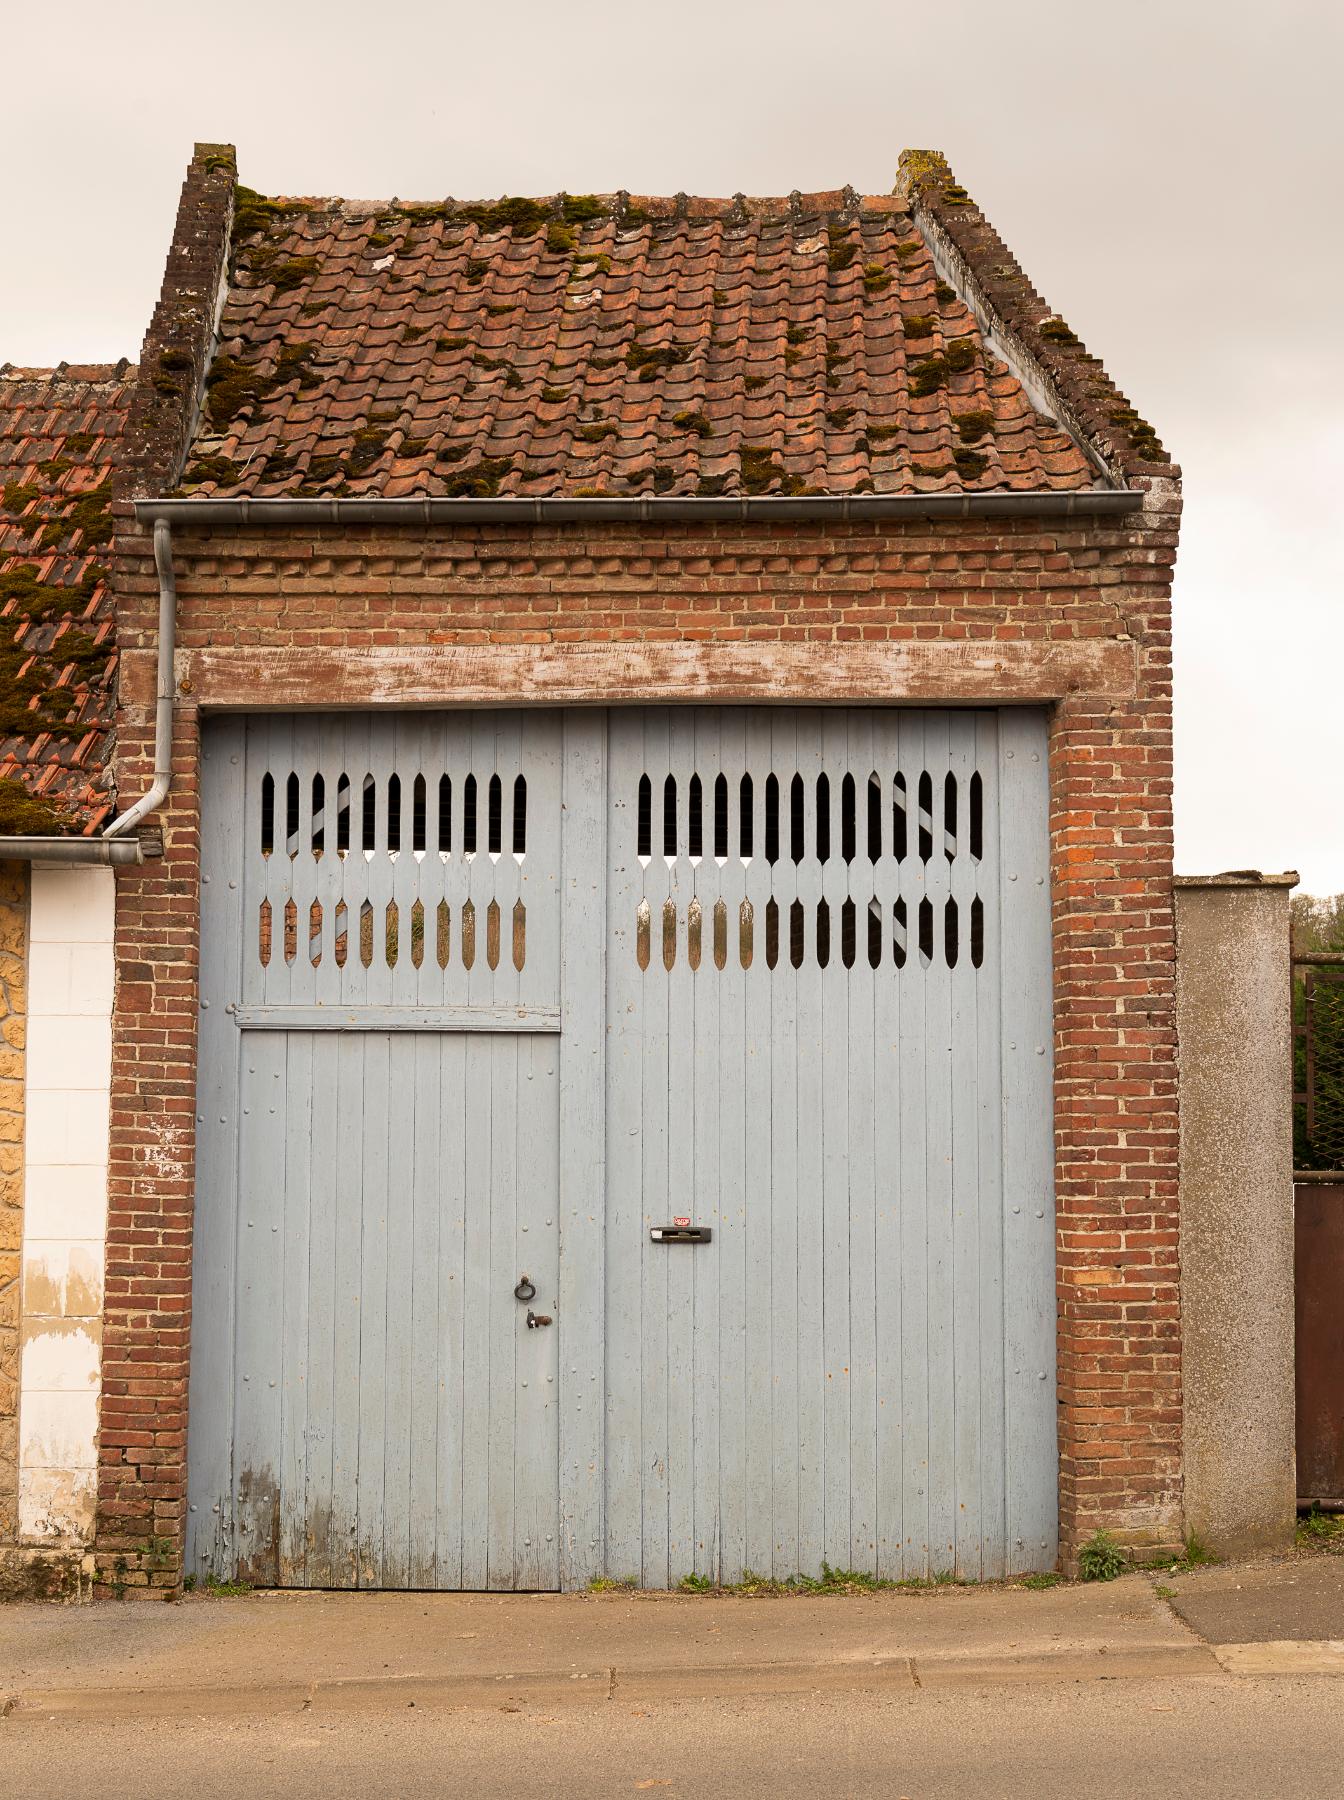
{"points": [[830, 1221], [372, 1403], [624, 1148]]}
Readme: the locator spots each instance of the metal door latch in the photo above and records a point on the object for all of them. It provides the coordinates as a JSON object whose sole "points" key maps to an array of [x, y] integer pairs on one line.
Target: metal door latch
{"points": [[536, 1320]]}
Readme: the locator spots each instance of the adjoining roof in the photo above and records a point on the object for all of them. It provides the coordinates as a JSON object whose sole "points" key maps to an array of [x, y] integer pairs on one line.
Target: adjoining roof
{"points": [[58, 434], [609, 345]]}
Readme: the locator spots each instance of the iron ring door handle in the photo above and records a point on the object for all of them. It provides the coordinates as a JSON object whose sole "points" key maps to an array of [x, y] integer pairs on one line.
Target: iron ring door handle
{"points": [[525, 1290]]}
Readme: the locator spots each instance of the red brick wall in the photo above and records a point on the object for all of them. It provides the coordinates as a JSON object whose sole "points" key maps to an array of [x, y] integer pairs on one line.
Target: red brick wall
{"points": [[1116, 1124]]}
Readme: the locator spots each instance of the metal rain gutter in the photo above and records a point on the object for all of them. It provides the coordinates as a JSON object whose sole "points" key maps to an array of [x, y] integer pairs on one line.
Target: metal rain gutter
{"points": [[163, 709], [345, 509], [90, 851]]}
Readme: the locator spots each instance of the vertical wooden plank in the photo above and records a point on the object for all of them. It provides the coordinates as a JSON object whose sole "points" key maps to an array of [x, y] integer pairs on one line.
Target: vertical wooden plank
{"points": [[810, 1057], [582, 1101], [449, 1066], [535, 1512], [431, 1368], [329, 867], [783, 1183], [226, 937], [348, 1314], [257, 1437], [403, 735], [888, 1251], [270, 874], [991, 1202], [1028, 1150], [973, 1356], [757, 1054], [399, 1196], [479, 1302], [301, 1152], [914, 1187], [655, 1080], [300, 740], [938, 1177], [506, 1315], [734, 1497], [322, 1559], [703, 1172], [783, 1050], [373, 1314], [864, 1299], [625, 1208], [833, 1055], [682, 1160]]}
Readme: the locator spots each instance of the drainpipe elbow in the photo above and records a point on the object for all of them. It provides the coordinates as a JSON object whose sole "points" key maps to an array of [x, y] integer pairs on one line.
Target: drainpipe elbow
{"points": [[163, 706]]}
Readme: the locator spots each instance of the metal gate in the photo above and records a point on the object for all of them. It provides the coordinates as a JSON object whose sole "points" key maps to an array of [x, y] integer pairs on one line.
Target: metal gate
{"points": [[729, 1030]]}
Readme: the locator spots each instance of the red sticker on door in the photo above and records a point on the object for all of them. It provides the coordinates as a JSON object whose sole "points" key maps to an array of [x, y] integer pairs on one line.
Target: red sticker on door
{"points": [[680, 1222]]}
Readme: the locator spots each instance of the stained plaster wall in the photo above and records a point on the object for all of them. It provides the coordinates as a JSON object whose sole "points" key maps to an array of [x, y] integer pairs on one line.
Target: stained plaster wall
{"points": [[66, 1085]]}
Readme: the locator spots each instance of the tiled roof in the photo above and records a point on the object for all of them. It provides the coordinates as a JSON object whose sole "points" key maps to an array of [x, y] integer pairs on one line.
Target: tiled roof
{"points": [[58, 433], [607, 345]]}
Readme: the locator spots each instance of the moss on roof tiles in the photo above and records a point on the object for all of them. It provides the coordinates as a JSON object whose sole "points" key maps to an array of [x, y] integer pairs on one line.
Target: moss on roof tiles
{"points": [[556, 295], [57, 652]]}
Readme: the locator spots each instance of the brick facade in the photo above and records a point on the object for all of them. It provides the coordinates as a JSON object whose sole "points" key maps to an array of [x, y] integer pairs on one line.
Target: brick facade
{"points": [[1026, 588], [992, 581]]}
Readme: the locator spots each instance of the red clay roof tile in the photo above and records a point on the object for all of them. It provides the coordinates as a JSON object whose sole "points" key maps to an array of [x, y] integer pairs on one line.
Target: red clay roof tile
{"points": [[58, 435], [612, 345]]}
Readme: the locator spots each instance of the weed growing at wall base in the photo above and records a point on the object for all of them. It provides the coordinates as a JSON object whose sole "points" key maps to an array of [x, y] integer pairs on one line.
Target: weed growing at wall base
{"points": [[1101, 1558]]}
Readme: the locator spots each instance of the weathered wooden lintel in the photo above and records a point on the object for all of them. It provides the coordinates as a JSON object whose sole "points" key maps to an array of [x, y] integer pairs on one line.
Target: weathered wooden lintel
{"points": [[954, 673]]}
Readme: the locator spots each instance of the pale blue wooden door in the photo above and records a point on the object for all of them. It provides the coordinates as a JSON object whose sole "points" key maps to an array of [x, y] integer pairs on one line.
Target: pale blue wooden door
{"points": [[829, 1043], [492, 995], [379, 1129]]}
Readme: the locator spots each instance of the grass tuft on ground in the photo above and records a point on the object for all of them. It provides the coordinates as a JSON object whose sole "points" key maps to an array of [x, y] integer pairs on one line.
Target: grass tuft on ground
{"points": [[1319, 1530]]}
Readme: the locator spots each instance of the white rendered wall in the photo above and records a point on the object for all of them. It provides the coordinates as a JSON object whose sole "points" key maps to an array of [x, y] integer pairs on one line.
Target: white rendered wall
{"points": [[67, 1083]]}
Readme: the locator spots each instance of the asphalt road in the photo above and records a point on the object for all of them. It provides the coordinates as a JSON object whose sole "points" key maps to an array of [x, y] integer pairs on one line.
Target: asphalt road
{"points": [[1216, 1736]]}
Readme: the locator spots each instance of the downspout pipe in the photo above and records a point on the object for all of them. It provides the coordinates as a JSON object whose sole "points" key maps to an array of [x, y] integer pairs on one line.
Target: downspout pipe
{"points": [[163, 705]]}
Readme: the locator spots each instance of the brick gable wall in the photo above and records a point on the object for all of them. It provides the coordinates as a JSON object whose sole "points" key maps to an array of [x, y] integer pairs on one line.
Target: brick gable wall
{"points": [[1025, 581]]}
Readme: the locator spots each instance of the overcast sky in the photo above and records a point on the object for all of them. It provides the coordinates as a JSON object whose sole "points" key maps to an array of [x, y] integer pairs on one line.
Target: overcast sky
{"points": [[1168, 172]]}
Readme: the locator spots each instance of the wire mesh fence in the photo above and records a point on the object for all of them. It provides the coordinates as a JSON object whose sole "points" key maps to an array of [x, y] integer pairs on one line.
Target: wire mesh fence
{"points": [[1318, 1062]]}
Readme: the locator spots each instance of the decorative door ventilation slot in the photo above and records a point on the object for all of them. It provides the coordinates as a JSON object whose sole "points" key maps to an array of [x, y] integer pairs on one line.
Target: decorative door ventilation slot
{"points": [[880, 817], [382, 816], [797, 934], [403, 860], [380, 937]]}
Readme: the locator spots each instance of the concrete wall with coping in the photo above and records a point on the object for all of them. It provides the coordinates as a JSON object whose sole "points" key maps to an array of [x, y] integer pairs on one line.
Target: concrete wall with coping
{"points": [[1234, 1025]]}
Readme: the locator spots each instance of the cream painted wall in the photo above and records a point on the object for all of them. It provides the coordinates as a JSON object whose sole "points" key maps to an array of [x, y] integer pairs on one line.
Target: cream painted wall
{"points": [[68, 1077]]}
